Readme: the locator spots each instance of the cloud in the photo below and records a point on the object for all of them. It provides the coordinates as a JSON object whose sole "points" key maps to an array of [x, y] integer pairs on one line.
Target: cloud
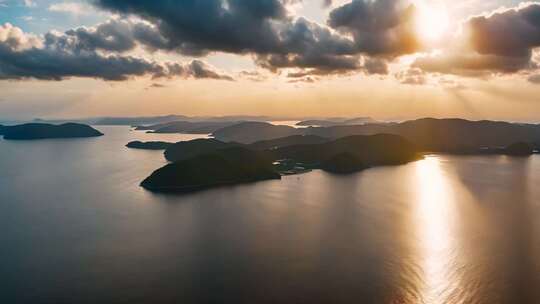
{"points": [[59, 56], [499, 42], [198, 27], [510, 33], [376, 66], [382, 27], [155, 86], [412, 76], [199, 69], [534, 79], [29, 3], [277, 40], [252, 75], [472, 64], [74, 8]]}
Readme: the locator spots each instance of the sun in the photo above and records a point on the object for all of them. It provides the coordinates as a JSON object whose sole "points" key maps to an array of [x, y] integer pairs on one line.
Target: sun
{"points": [[432, 22]]}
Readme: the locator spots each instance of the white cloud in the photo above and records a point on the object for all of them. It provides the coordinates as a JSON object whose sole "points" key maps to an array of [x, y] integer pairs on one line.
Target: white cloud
{"points": [[73, 8], [29, 3]]}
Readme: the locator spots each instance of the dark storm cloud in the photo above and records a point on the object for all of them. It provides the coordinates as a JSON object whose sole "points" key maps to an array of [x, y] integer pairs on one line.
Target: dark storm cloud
{"points": [[264, 29], [60, 56]]}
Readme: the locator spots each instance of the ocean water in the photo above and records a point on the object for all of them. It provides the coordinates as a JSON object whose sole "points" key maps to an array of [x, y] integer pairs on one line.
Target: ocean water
{"points": [[75, 227]]}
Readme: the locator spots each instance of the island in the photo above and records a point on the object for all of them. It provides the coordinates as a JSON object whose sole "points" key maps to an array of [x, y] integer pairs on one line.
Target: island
{"points": [[343, 163], [228, 166], [31, 131], [451, 135], [150, 145], [188, 149], [516, 149], [519, 149], [187, 127], [205, 163], [288, 141], [354, 152], [252, 131], [336, 122]]}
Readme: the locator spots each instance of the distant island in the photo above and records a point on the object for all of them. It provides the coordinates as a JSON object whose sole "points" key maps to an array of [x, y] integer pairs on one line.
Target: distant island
{"points": [[252, 131], [517, 149], [187, 127], [456, 136], [151, 145], [336, 122], [45, 131]]}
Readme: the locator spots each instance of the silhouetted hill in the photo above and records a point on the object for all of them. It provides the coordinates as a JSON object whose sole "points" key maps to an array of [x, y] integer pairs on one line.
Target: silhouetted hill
{"points": [[288, 141], [360, 121], [519, 149], [135, 121], [336, 122], [204, 163], [188, 149], [343, 163], [444, 135], [429, 134], [374, 150], [250, 132], [224, 167], [43, 131], [317, 123], [203, 127], [151, 145]]}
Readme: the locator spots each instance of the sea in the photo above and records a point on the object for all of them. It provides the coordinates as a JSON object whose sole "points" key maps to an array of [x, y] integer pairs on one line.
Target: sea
{"points": [[76, 227]]}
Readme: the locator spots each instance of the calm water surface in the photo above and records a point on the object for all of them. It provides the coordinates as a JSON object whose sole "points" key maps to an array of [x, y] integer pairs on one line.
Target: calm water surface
{"points": [[75, 227]]}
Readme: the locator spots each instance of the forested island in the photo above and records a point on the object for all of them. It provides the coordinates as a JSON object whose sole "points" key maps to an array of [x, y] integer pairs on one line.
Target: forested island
{"points": [[205, 163], [220, 167], [151, 145], [32, 131]]}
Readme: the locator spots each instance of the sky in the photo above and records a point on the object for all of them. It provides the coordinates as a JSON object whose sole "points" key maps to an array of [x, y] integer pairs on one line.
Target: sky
{"points": [[388, 59]]}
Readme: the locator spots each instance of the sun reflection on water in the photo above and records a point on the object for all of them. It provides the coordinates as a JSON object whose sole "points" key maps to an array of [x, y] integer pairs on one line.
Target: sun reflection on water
{"points": [[434, 212]]}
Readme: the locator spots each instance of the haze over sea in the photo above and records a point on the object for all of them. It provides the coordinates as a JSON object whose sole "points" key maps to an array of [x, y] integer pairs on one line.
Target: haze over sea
{"points": [[77, 228]]}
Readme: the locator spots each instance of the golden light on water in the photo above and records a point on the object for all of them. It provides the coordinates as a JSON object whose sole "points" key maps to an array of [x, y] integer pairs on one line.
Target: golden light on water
{"points": [[434, 212]]}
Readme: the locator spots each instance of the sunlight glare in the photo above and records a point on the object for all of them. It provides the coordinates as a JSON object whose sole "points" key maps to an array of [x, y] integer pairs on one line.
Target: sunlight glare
{"points": [[434, 211], [432, 22]]}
